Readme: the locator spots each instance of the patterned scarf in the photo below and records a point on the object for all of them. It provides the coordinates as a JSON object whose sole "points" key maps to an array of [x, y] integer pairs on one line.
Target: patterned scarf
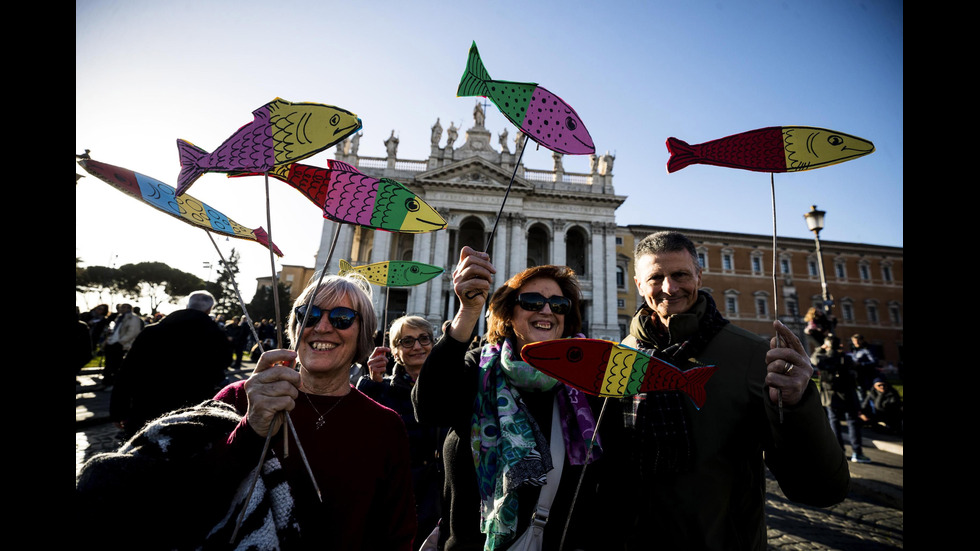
{"points": [[509, 449], [662, 436]]}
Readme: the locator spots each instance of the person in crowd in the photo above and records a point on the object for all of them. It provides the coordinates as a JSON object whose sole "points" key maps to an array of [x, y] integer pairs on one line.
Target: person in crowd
{"points": [[818, 325], [865, 365], [838, 393], [238, 333], [697, 474], [500, 412], [174, 363], [357, 449], [884, 404], [411, 342], [125, 327]]}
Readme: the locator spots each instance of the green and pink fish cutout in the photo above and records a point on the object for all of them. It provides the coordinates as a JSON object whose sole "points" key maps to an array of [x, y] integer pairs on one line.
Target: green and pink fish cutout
{"points": [[539, 114], [608, 369], [163, 197], [282, 132], [347, 195], [772, 149]]}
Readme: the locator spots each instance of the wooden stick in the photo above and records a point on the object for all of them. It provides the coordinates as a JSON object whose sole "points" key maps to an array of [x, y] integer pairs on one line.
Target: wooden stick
{"points": [[775, 290]]}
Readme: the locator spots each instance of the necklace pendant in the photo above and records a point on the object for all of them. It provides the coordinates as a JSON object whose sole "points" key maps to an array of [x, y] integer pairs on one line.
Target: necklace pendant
{"points": [[320, 422]]}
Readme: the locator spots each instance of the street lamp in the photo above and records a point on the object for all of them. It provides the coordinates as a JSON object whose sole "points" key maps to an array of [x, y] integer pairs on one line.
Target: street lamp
{"points": [[814, 221]]}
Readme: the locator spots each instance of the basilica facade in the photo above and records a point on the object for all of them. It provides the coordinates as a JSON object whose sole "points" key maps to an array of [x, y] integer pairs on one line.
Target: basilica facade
{"points": [[549, 217]]}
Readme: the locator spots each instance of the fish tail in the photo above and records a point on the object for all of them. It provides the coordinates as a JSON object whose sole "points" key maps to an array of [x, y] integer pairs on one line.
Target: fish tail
{"points": [[263, 237], [345, 267], [475, 77], [190, 170], [681, 155], [696, 379]]}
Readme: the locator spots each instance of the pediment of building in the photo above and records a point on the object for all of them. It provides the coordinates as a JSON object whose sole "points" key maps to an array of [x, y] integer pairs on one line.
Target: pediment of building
{"points": [[473, 172]]}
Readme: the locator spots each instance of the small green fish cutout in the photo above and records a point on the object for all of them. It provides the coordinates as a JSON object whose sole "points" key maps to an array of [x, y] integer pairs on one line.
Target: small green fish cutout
{"points": [[393, 273]]}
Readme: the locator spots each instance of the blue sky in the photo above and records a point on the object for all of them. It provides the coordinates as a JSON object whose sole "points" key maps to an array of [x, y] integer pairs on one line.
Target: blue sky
{"points": [[150, 72]]}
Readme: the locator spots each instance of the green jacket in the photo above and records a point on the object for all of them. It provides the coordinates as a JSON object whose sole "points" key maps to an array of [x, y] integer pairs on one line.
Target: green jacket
{"points": [[720, 503]]}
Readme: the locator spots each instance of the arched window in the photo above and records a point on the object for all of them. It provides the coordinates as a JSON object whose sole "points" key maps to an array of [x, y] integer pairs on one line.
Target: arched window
{"points": [[577, 250], [537, 246]]}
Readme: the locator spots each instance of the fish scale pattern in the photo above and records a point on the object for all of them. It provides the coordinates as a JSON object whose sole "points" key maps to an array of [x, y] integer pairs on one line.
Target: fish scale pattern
{"points": [[758, 150]]}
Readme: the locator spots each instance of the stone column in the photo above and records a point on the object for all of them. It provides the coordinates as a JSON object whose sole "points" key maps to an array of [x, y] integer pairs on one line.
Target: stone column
{"points": [[558, 253], [345, 243]]}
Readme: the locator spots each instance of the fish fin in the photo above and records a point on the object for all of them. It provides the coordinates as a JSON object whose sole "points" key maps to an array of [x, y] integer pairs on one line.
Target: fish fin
{"points": [[344, 267], [190, 155], [263, 237], [475, 76], [340, 165], [696, 379], [681, 155]]}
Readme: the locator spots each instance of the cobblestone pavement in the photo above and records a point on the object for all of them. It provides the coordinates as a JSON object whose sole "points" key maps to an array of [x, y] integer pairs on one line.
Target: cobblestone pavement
{"points": [[872, 517]]}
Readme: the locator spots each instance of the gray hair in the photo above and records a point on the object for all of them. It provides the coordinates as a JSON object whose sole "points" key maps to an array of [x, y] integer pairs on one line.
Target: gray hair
{"points": [[357, 289], [666, 242], [200, 300], [417, 322]]}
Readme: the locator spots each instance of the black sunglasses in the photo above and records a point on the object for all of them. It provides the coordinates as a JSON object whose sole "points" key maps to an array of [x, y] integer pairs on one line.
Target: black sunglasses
{"points": [[340, 317], [534, 302], [409, 342]]}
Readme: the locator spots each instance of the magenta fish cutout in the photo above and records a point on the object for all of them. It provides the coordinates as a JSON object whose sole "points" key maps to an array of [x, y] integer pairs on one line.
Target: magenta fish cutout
{"points": [[282, 132]]}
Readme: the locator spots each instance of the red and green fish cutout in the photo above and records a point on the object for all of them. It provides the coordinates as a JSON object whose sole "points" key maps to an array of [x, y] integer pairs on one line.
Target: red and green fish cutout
{"points": [[393, 273], [609, 369], [282, 132], [539, 114], [773, 149], [347, 195], [163, 197]]}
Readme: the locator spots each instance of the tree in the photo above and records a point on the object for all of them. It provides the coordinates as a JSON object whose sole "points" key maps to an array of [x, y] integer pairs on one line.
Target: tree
{"points": [[225, 296], [262, 305], [155, 281]]}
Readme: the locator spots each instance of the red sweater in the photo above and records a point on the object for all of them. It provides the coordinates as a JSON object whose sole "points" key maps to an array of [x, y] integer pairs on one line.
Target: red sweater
{"points": [[360, 458]]}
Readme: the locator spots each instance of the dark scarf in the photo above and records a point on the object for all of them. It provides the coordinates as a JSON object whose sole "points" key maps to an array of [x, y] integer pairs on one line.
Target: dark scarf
{"points": [[659, 419]]}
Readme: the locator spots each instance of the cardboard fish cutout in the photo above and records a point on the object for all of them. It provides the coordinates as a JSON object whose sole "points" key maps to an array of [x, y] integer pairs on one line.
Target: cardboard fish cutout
{"points": [[282, 132], [539, 114], [773, 149], [605, 368], [393, 273], [347, 195], [163, 197]]}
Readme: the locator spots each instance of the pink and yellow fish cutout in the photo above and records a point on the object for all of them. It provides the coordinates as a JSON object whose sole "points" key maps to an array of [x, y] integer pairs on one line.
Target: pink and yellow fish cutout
{"points": [[282, 132], [605, 368], [163, 197], [347, 195], [773, 149]]}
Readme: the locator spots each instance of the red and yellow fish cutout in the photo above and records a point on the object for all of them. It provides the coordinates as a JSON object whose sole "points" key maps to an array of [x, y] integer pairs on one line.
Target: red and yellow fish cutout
{"points": [[772, 149], [163, 197], [609, 369]]}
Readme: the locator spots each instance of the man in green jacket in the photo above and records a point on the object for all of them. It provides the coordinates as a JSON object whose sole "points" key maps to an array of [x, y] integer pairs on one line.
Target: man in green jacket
{"points": [[701, 480]]}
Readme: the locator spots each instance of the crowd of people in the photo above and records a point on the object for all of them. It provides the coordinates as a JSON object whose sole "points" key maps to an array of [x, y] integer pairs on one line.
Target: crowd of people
{"points": [[359, 438]]}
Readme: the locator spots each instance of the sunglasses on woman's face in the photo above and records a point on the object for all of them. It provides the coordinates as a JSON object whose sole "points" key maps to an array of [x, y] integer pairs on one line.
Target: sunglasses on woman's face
{"points": [[340, 317], [409, 342], [534, 302]]}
